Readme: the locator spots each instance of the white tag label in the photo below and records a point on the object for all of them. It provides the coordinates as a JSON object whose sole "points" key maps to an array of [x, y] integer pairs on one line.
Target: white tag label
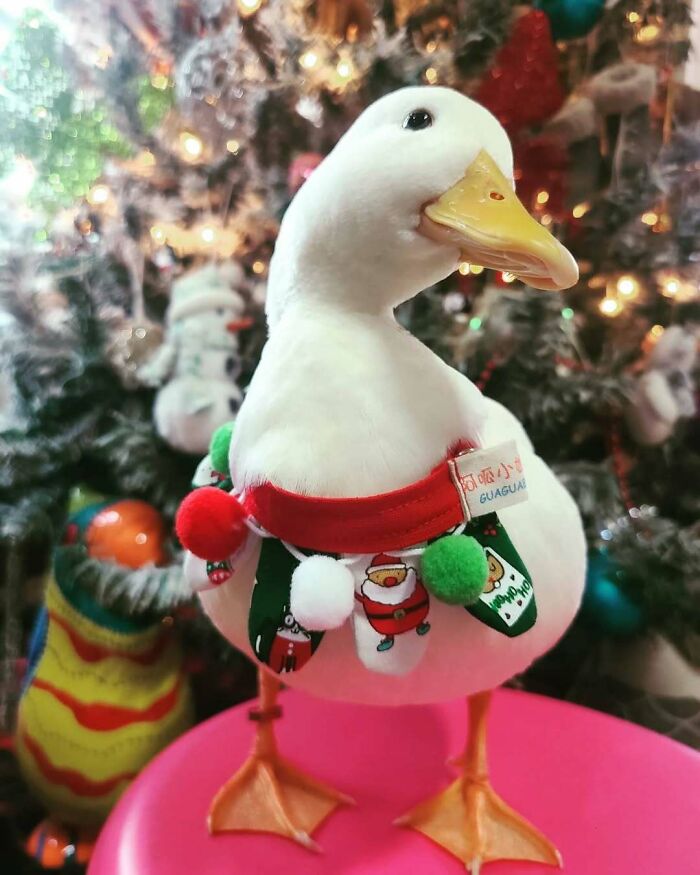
{"points": [[489, 479]]}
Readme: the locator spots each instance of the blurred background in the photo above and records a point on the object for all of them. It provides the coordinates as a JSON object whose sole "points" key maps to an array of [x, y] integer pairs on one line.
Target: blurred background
{"points": [[148, 149]]}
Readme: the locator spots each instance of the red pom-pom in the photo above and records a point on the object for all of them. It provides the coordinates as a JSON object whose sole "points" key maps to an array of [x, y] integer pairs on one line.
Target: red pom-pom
{"points": [[211, 524]]}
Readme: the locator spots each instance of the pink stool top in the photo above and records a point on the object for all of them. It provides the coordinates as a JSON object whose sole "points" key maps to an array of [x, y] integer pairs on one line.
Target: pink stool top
{"points": [[614, 798]]}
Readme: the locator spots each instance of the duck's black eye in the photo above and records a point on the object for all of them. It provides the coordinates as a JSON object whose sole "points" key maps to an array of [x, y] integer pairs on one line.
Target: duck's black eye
{"points": [[418, 120]]}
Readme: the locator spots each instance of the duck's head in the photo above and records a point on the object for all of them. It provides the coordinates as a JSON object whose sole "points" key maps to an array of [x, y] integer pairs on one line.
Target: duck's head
{"points": [[422, 180]]}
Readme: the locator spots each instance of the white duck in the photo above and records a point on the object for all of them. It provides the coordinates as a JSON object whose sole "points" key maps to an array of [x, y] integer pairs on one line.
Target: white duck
{"points": [[345, 403]]}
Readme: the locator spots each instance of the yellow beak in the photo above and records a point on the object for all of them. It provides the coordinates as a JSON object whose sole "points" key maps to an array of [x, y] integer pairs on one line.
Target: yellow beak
{"points": [[482, 216]]}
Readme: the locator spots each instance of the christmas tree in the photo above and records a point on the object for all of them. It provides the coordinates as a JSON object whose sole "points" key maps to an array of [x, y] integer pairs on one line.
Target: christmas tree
{"points": [[149, 151]]}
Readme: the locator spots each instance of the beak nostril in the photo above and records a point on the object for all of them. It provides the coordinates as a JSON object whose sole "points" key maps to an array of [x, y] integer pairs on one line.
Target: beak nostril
{"points": [[496, 196]]}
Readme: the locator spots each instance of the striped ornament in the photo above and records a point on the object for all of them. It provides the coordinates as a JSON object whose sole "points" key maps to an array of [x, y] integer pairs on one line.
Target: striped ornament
{"points": [[98, 706]]}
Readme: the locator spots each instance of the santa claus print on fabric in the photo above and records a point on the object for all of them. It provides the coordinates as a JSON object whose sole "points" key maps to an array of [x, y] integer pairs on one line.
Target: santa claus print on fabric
{"points": [[391, 616]]}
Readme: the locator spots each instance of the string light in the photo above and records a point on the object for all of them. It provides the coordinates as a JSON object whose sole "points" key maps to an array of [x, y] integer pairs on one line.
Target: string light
{"points": [[546, 219], [542, 197], [656, 331], [650, 218], [649, 33], [476, 269], [508, 277], [258, 267], [670, 286], [233, 146], [633, 17], [580, 210], [160, 81], [98, 194], [627, 286], [308, 60], [610, 307], [248, 7], [345, 69], [191, 146], [431, 46], [475, 323], [431, 75], [208, 234], [567, 313], [464, 267]]}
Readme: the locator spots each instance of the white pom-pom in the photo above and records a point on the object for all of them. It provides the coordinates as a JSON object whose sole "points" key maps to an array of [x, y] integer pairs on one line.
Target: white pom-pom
{"points": [[322, 593]]}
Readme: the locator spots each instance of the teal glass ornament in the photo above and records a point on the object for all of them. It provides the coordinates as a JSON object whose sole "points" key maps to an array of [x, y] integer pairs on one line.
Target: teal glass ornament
{"points": [[571, 19], [605, 604]]}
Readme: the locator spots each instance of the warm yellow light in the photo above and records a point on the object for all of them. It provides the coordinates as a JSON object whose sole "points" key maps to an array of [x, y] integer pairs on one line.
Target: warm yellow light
{"points": [[98, 194], [508, 277], [248, 7], [160, 81], [627, 286], [233, 146], [103, 57], [648, 34], [610, 307], [308, 60], [344, 69], [430, 46], [157, 234], [670, 287], [192, 147], [464, 267], [546, 219], [258, 267], [431, 75], [208, 234], [476, 269], [580, 210], [650, 218], [542, 197], [656, 331], [633, 17]]}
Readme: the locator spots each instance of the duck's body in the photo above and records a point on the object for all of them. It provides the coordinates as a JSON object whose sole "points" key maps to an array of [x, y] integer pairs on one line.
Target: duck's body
{"points": [[348, 413], [373, 410]]}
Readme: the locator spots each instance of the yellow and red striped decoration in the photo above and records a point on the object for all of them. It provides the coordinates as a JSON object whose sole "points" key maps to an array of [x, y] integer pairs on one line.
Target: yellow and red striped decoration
{"points": [[100, 705]]}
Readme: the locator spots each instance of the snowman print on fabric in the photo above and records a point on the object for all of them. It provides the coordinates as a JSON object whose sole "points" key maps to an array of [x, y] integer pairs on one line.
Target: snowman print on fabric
{"points": [[391, 616], [291, 648]]}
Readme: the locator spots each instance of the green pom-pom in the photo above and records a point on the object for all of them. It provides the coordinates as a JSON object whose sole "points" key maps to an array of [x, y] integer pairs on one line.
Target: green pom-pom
{"points": [[455, 569], [218, 447]]}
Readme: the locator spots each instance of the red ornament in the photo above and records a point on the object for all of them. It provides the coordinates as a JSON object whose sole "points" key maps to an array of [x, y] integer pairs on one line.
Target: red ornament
{"points": [[301, 169], [522, 88], [211, 524], [128, 532], [541, 169]]}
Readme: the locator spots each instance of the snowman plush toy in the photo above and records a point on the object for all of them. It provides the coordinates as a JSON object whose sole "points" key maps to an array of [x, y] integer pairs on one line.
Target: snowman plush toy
{"points": [[197, 366], [389, 535]]}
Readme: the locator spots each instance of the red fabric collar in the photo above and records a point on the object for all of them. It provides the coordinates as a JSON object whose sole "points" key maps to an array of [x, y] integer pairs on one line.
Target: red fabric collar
{"points": [[378, 523]]}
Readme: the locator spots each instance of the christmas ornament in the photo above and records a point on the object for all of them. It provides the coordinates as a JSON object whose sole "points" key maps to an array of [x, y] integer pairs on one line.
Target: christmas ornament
{"points": [[522, 87], [328, 470], [301, 168], [216, 83], [571, 19], [104, 692], [198, 364], [604, 603], [665, 390], [128, 532]]}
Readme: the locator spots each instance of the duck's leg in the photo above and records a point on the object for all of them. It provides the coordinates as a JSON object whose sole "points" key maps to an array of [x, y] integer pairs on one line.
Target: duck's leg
{"points": [[268, 794], [469, 819]]}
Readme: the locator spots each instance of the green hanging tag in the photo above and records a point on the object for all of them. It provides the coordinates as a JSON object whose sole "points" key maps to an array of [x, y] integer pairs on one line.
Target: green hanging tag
{"points": [[508, 600], [275, 636]]}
